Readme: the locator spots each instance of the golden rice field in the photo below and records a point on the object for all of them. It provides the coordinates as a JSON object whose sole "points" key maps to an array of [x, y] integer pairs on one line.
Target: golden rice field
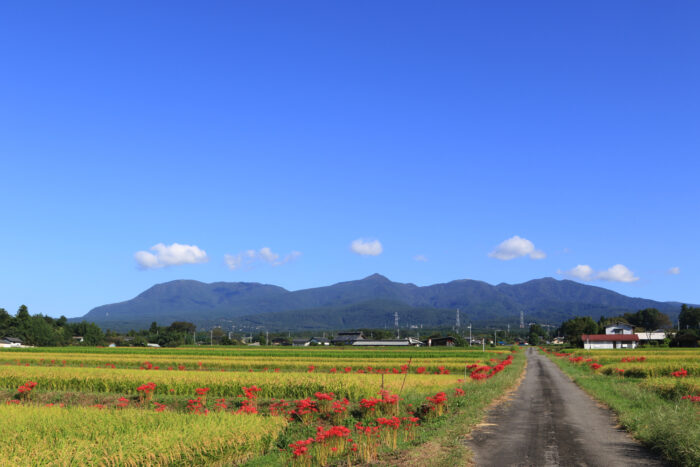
{"points": [[190, 406]]}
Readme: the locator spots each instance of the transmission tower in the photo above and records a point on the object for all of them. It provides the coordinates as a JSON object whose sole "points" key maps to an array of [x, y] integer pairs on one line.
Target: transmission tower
{"points": [[396, 323], [522, 319]]}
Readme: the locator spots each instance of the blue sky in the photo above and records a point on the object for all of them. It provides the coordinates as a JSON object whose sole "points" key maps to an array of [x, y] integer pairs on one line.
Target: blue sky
{"points": [[256, 141]]}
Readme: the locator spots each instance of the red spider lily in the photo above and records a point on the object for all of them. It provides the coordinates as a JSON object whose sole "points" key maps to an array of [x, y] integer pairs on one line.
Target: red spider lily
{"points": [[596, 366], [247, 407], [420, 370], [221, 404], [322, 396], [691, 398], [459, 392], [202, 391], [146, 392], [159, 407], [250, 392], [311, 368], [438, 402], [680, 373], [123, 402], [197, 406]]}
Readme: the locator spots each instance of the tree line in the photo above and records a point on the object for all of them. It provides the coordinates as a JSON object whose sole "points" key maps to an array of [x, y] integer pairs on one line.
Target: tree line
{"points": [[45, 331]]}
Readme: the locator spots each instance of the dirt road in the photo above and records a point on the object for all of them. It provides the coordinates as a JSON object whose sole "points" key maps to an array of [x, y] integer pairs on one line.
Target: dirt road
{"points": [[551, 422]]}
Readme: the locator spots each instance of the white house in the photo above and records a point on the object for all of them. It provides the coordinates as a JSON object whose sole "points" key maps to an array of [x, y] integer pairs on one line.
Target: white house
{"points": [[619, 328], [609, 341]]}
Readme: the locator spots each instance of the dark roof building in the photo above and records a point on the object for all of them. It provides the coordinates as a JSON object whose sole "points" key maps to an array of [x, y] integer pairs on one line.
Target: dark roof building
{"points": [[448, 341], [347, 338]]}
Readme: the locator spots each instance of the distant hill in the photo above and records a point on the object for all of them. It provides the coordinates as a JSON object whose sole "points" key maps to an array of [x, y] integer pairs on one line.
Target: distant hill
{"points": [[369, 302]]}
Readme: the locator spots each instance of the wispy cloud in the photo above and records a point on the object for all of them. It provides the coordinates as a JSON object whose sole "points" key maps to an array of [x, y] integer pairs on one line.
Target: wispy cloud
{"points": [[170, 255], [365, 247], [516, 247], [250, 258], [616, 273], [421, 258], [674, 270]]}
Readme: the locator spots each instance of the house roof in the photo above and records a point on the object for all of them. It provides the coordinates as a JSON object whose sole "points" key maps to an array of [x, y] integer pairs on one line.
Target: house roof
{"points": [[609, 337], [620, 325], [320, 339], [13, 340]]}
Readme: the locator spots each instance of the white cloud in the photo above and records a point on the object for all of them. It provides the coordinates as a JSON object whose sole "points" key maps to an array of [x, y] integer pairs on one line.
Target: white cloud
{"points": [[421, 258], [674, 270], [366, 247], [249, 258], [617, 273], [516, 247], [582, 272], [170, 255]]}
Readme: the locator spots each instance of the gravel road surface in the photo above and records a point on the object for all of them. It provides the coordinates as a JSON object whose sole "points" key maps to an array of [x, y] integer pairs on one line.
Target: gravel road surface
{"points": [[551, 422]]}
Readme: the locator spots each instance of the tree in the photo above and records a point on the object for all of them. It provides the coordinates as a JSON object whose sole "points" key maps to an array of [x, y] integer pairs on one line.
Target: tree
{"points": [[649, 319], [573, 328], [689, 317], [536, 334]]}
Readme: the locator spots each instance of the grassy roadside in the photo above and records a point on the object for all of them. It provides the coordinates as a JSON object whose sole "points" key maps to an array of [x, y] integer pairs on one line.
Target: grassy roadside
{"points": [[669, 427]]}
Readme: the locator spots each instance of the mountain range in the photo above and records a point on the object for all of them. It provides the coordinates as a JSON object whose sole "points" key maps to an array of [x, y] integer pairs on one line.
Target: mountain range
{"points": [[367, 303]]}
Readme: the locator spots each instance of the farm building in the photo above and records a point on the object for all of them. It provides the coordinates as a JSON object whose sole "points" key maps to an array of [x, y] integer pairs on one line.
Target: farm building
{"points": [[347, 338], [654, 336], [10, 342], [409, 341], [609, 341], [448, 341]]}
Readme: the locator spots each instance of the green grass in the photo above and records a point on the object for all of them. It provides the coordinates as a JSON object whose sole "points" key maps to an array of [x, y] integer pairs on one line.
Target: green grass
{"points": [[668, 426]]}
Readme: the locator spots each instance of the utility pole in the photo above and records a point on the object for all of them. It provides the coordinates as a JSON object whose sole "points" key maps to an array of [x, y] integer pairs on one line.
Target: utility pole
{"points": [[396, 324], [267, 337], [470, 334], [211, 337]]}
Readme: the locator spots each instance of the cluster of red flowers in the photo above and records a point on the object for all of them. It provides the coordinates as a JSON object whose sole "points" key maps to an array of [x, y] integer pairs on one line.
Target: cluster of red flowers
{"points": [[481, 372], [196, 406], [147, 388], [680, 373], [149, 366], [691, 398], [26, 388], [459, 392], [159, 407], [596, 366]]}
